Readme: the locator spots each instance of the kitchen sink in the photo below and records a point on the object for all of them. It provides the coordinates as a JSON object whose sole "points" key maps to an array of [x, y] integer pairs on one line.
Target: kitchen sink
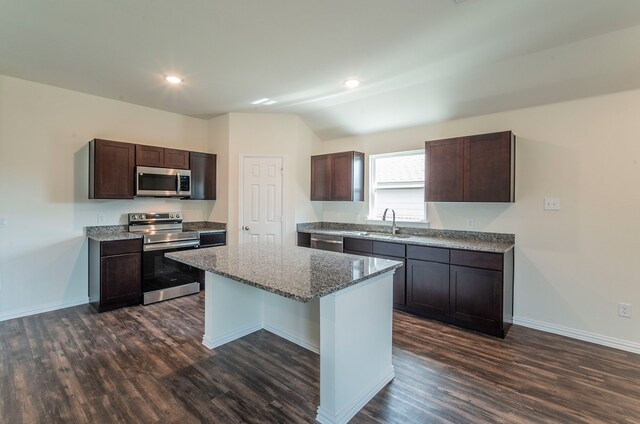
{"points": [[390, 236]]}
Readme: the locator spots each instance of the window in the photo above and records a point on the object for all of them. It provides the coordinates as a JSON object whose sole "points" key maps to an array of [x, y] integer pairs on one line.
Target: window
{"points": [[397, 182]]}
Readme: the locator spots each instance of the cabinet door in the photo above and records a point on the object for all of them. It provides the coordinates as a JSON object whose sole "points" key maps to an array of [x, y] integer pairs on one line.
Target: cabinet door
{"points": [[476, 295], [177, 159], [121, 278], [112, 166], [321, 177], [399, 280], [444, 170], [488, 168], [203, 176], [342, 176], [149, 156], [428, 286]]}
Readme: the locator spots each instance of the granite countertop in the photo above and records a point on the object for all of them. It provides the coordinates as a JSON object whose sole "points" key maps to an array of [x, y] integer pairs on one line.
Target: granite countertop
{"points": [[111, 233], [121, 232], [449, 239], [295, 272], [205, 227]]}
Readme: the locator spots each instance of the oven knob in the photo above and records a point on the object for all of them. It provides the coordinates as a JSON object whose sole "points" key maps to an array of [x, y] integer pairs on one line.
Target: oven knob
{"points": [[134, 217], [178, 215], [142, 217], [172, 215]]}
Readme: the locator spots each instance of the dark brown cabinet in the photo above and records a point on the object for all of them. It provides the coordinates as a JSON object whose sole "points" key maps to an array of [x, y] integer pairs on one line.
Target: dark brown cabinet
{"points": [[428, 286], [467, 288], [338, 176], [384, 250], [115, 273], [161, 157], [111, 169], [203, 176], [477, 168]]}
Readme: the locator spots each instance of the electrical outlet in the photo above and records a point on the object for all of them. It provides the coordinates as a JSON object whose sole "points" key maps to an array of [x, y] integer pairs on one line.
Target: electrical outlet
{"points": [[4, 222], [551, 204], [100, 218], [471, 223], [624, 310]]}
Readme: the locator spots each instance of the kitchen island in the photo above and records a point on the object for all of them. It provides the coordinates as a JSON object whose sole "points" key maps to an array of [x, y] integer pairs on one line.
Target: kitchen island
{"points": [[334, 304]]}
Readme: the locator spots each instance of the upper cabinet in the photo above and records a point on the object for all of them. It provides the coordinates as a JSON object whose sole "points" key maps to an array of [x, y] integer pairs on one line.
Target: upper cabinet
{"points": [[161, 157], [338, 176], [477, 168], [111, 169], [203, 176]]}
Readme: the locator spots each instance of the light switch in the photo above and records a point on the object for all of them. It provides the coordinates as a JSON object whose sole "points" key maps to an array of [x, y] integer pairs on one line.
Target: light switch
{"points": [[551, 204]]}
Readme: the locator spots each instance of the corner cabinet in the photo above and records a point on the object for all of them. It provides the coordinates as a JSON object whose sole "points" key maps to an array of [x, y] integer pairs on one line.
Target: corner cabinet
{"points": [[115, 273], [338, 177], [203, 176], [111, 169], [477, 168]]}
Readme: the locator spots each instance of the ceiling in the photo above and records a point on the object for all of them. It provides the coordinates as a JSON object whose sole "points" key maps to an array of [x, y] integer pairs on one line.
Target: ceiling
{"points": [[420, 61]]}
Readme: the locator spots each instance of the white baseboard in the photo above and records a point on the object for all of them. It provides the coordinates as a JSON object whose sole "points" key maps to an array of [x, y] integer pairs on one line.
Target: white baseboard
{"points": [[305, 343], [48, 307], [578, 334], [343, 417], [212, 343]]}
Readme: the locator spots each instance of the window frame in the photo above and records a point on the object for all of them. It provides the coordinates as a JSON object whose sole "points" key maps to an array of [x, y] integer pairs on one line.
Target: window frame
{"points": [[372, 186]]}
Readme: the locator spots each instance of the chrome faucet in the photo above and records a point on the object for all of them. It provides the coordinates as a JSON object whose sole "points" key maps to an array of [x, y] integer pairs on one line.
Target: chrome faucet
{"points": [[393, 224]]}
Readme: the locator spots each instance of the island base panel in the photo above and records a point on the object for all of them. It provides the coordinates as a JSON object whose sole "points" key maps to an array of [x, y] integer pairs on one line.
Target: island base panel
{"points": [[351, 329], [355, 347]]}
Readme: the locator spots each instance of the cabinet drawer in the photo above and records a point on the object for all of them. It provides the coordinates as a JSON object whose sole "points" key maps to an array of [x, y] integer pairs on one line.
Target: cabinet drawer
{"points": [[120, 247], [358, 245], [425, 253], [388, 249], [477, 259], [213, 239]]}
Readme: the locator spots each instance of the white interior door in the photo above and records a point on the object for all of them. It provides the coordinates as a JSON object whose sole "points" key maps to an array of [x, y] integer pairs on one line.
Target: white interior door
{"points": [[262, 200]]}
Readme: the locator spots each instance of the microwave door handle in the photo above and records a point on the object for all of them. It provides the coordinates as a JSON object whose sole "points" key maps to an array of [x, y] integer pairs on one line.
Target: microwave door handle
{"points": [[178, 183]]}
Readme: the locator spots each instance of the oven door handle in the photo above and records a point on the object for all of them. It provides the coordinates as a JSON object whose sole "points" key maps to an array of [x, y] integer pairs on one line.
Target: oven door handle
{"points": [[170, 245]]}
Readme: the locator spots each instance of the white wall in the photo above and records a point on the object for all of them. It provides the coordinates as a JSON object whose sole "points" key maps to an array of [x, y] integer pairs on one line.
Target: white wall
{"points": [[44, 133], [572, 267], [274, 134]]}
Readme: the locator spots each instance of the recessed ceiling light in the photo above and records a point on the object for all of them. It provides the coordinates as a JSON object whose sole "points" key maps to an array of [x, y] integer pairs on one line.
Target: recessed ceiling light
{"points": [[259, 102], [173, 79], [270, 102], [351, 83]]}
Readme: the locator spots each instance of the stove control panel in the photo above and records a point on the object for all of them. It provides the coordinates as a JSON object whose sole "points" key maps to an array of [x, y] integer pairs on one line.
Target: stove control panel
{"points": [[155, 217]]}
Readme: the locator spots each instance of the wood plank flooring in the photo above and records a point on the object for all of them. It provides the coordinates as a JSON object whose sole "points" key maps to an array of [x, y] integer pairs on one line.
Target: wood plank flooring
{"points": [[147, 365]]}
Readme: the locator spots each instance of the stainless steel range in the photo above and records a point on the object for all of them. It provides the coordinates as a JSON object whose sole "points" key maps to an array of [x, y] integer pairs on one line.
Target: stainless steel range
{"points": [[164, 278]]}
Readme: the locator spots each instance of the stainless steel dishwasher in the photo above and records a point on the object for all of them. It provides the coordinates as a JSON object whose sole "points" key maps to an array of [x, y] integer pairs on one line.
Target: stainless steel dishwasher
{"points": [[324, 242]]}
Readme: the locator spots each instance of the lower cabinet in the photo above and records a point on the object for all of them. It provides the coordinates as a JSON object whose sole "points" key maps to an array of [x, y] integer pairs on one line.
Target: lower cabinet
{"points": [[115, 273], [467, 288], [428, 286], [383, 250], [476, 296]]}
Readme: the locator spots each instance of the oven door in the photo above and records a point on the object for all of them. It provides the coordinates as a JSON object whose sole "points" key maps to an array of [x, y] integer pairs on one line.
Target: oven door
{"points": [[164, 278]]}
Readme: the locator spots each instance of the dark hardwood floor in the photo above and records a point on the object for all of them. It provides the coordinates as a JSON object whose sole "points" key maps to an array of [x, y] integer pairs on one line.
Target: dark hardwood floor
{"points": [[147, 365]]}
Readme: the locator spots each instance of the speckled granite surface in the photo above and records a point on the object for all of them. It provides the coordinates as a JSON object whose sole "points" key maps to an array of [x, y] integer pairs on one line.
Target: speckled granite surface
{"points": [[110, 233], [121, 232], [295, 272], [204, 227], [450, 239]]}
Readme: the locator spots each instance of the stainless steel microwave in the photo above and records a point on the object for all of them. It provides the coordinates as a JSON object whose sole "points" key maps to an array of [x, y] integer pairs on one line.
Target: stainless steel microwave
{"points": [[162, 182]]}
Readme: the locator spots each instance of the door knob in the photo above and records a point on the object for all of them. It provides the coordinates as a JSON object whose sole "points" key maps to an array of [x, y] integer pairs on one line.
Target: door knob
{"points": [[246, 228]]}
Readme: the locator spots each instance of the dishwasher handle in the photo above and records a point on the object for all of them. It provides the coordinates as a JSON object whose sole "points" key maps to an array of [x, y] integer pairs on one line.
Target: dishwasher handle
{"points": [[331, 243]]}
